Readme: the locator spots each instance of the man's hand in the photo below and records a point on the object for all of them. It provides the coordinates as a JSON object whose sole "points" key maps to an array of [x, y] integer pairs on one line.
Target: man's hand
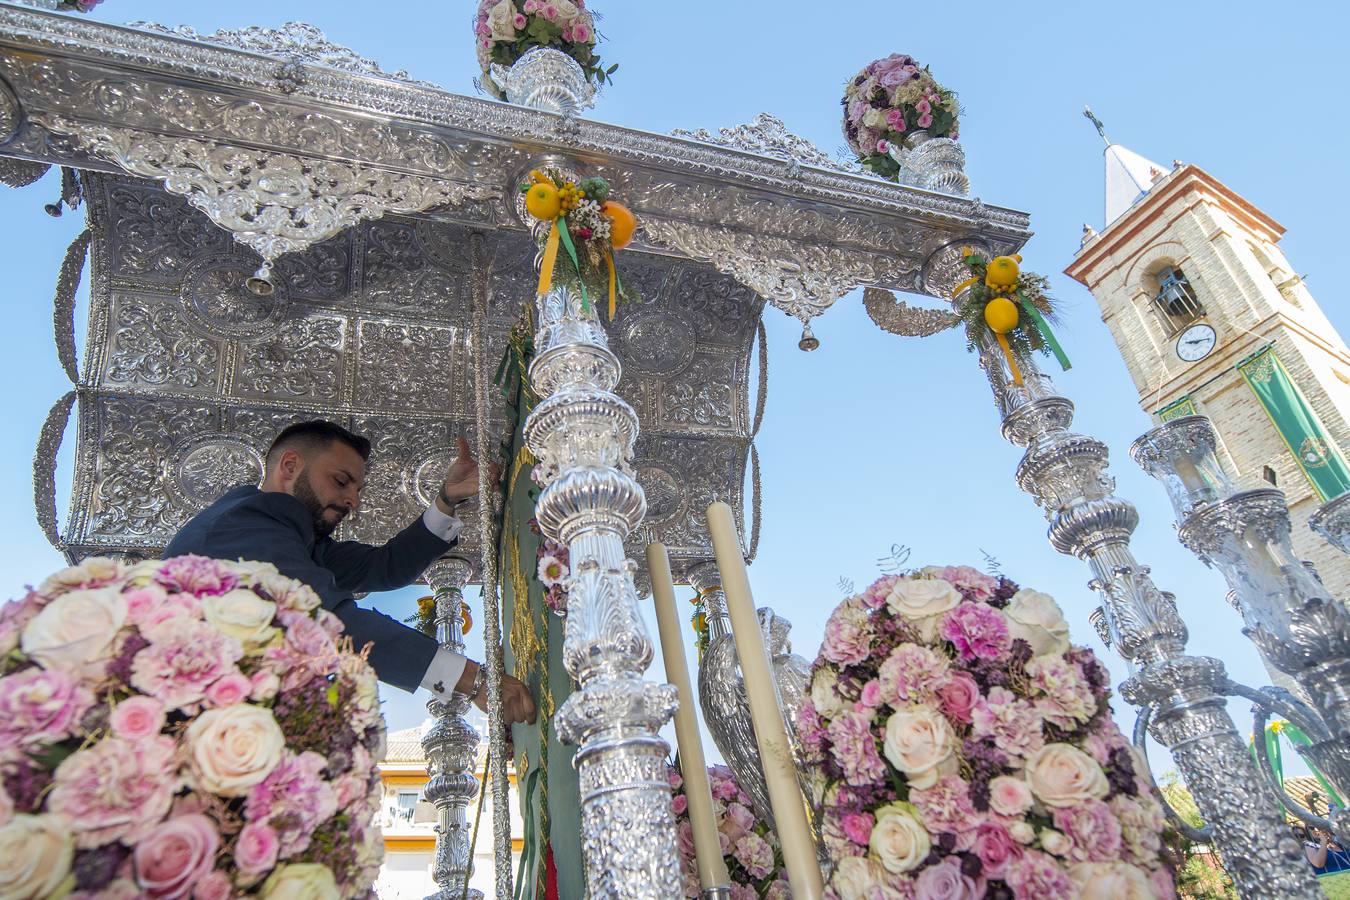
{"points": [[517, 704], [461, 482]]}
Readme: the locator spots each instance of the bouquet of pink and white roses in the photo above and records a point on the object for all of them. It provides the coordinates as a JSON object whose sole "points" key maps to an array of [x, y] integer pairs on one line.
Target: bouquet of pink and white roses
{"points": [[185, 728], [749, 847], [506, 30], [967, 750], [893, 99]]}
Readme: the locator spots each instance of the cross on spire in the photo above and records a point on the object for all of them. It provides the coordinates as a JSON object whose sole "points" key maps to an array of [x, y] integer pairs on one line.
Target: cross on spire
{"points": [[1101, 129]]}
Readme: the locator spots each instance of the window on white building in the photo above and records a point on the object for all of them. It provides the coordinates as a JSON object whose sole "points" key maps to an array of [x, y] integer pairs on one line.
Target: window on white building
{"points": [[407, 804]]}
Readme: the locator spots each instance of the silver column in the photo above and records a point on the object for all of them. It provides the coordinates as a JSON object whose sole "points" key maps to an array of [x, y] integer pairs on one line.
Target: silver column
{"points": [[1332, 521], [1300, 629], [451, 746], [583, 435], [1066, 474]]}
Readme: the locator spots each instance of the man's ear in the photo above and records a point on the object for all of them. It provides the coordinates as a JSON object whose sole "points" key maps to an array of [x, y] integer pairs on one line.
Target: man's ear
{"points": [[289, 465]]}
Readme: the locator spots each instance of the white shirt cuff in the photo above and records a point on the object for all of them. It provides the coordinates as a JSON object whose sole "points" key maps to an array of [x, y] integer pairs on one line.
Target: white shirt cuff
{"points": [[445, 527], [444, 673]]}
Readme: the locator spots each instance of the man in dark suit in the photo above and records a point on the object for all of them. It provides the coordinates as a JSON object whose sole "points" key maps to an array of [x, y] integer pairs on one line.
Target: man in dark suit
{"points": [[313, 478]]}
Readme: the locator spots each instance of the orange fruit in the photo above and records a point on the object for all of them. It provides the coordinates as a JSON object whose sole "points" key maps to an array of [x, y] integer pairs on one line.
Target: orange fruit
{"points": [[1000, 314], [543, 202], [1001, 274], [622, 223]]}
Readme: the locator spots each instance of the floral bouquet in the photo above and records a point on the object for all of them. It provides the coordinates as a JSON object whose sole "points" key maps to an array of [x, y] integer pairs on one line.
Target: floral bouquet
{"points": [[83, 6], [750, 849], [507, 29], [892, 100], [552, 569], [1003, 299], [185, 728], [967, 750]]}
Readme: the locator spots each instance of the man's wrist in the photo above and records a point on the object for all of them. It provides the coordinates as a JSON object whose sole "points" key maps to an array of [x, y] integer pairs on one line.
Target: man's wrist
{"points": [[449, 503], [472, 680]]}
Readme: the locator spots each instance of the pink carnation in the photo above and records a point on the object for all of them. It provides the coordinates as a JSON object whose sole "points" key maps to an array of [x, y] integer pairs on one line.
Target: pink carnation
{"points": [[995, 848], [848, 634], [944, 881], [912, 673], [971, 582], [39, 706], [175, 855], [1093, 832], [137, 718], [957, 697], [723, 785], [150, 605], [753, 852], [1163, 886], [294, 799], [196, 575], [870, 696], [115, 790], [1014, 724], [977, 631], [257, 848], [857, 827], [215, 886], [855, 749], [1037, 875], [184, 657], [946, 806], [1066, 698]]}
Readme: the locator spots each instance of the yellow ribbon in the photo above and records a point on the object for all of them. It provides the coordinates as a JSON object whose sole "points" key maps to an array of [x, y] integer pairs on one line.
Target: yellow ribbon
{"points": [[956, 291], [550, 258], [613, 276], [1008, 355]]}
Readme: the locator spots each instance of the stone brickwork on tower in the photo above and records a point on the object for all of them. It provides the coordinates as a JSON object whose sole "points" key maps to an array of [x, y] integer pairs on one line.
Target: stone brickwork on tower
{"points": [[1251, 296]]}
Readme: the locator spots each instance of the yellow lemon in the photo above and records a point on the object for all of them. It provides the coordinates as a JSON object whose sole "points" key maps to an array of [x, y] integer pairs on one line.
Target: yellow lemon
{"points": [[622, 223], [1001, 275], [1000, 314], [542, 201]]}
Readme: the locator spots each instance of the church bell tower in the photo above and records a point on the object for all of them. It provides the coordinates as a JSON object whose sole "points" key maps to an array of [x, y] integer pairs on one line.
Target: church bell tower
{"points": [[1211, 318]]}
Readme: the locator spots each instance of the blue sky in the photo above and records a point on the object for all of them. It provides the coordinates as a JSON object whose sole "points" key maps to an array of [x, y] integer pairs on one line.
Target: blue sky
{"points": [[871, 440]]}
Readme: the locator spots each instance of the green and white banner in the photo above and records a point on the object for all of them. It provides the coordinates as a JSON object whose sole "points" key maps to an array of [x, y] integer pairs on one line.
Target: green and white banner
{"points": [[1314, 450], [1176, 409]]}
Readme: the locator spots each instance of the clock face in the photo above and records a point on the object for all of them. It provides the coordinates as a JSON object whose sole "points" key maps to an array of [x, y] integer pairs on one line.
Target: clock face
{"points": [[1196, 342]]}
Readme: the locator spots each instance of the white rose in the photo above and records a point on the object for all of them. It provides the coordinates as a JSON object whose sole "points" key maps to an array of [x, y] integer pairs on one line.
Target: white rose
{"points": [[1063, 775], [301, 881], [98, 569], [873, 118], [502, 20], [1022, 832], [35, 856], [76, 630], [1110, 881], [899, 841], [242, 615], [855, 877], [919, 744], [233, 748], [143, 572], [1055, 842], [1036, 618], [823, 695], [567, 12], [922, 601]]}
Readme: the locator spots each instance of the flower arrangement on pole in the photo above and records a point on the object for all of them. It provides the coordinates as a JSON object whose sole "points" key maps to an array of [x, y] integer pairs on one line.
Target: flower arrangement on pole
{"points": [[750, 849], [893, 103], [506, 30], [553, 569], [588, 226], [184, 728], [1011, 304], [966, 749]]}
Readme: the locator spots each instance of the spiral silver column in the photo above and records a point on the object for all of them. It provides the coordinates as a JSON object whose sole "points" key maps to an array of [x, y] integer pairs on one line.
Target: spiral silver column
{"points": [[583, 435], [451, 746], [1067, 475]]}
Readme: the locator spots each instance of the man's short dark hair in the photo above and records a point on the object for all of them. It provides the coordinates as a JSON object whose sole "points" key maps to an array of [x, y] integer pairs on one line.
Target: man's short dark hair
{"points": [[316, 435]]}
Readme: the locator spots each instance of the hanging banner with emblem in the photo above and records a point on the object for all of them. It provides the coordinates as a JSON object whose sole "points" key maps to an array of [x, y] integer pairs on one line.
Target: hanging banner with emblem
{"points": [[1314, 450], [1176, 409]]}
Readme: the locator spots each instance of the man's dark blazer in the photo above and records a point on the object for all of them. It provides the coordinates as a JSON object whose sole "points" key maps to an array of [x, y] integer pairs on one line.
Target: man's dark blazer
{"points": [[270, 526]]}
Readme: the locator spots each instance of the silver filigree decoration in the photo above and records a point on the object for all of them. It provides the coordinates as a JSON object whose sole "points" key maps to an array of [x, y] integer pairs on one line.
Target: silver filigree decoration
{"points": [[769, 136], [63, 305], [44, 467], [272, 203], [898, 317], [297, 42], [20, 172]]}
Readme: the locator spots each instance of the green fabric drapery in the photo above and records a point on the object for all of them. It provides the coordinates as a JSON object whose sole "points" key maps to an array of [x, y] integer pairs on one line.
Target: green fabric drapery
{"points": [[1315, 452], [1176, 409]]}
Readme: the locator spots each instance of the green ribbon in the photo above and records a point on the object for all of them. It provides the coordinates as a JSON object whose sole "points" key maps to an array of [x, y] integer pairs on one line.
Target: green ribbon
{"points": [[576, 264], [1044, 328], [1299, 739], [530, 853]]}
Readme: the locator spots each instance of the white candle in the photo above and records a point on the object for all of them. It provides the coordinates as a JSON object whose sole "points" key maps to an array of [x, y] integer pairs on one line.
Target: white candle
{"points": [[712, 869], [775, 754]]}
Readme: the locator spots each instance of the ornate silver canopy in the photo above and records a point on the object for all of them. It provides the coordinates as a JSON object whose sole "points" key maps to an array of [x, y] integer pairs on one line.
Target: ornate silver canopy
{"points": [[360, 189]]}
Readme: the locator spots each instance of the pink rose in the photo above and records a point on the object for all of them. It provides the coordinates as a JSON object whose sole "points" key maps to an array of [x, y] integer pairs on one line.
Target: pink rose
{"points": [[39, 706], [679, 804], [256, 850], [896, 119], [137, 718], [1009, 796], [520, 21], [115, 790], [883, 146], [925, 121], [549, 11], [263, 685], [673, 778], [737, 822], [871, 694], [215, 886], [925, 108], [229, 689], [581, 33], [175, 856], [957, 697], [944, 881], [995, 848]]}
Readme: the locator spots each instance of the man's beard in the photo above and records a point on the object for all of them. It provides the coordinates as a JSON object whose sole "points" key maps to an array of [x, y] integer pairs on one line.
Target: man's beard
{"points": [[304, 492]]}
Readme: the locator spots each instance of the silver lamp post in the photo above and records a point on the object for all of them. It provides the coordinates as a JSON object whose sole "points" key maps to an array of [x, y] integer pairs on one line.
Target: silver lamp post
{"points": [[1332, 521], [1298, 626], [1182, 695], [451, 745]]}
